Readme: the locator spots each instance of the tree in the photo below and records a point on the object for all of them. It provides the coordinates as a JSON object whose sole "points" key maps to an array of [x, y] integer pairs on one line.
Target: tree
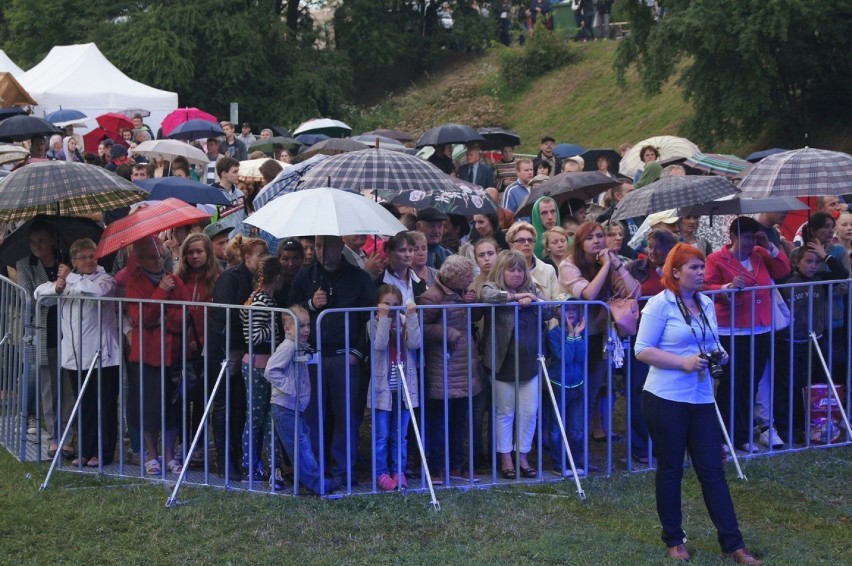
{"points": [[746, 65]]}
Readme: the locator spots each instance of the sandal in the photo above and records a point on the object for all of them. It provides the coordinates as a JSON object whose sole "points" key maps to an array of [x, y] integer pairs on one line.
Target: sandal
{"points": [[174, 466], [93, 462], [529, 473], [508, 473], [152, 467], [77, 462]]}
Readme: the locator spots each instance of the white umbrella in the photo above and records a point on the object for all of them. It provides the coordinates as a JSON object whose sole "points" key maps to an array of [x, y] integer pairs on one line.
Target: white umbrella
{"points": [[11, 152], [250, 168], [327, 126], [668, 146], [324, 212], [170, 149]]}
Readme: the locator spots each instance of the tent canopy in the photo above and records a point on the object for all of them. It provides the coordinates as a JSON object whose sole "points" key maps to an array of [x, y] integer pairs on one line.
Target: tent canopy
{"points": [[8, 66], [80, 77], [12, 93]]}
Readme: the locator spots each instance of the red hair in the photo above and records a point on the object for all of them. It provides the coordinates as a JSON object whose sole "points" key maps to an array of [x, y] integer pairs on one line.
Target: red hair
{"points": [[679, 255], [578, 257]]}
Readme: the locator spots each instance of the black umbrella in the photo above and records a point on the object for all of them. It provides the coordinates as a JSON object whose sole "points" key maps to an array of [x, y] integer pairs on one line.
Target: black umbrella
{"points": [[281, 131], [267, 145], [498, 138], [71, 228], [673, 192], [20, 128], [449, 133], [742, 205], [333, 146], [583, 186], [397, 135], [466, 199], [590, 157], [13, 111]]}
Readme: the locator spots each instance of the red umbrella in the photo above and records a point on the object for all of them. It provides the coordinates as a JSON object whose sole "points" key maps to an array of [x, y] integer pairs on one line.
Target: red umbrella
{"points": [[181, 115], [113, 121], [148, 221], [93, 138]]}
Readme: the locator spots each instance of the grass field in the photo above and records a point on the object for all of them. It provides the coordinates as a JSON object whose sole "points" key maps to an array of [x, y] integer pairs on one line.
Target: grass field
{"points": [[795, 509]]}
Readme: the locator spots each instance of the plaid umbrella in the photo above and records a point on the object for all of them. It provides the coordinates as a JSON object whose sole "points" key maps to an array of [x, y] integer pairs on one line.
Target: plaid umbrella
{"points": [[449, 133], [583, 186], [147, 221], [668, 146], [799, 173], [65, 189], [717, 163], [466, 199], [673, 192], [20, 128], [285, 181], [377, 169]]}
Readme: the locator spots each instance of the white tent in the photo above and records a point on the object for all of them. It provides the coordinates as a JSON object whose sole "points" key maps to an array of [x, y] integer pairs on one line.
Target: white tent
{"points": [[8, 66], [80, 77]]}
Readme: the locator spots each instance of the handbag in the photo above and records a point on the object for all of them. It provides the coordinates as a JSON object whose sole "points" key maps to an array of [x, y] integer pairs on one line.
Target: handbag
{"points": [[625, 315], [782, 311]]}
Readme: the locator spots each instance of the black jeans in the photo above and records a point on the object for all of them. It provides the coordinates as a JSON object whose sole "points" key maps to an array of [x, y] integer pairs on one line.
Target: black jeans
{"points": [[676, 427], [742, 376]]}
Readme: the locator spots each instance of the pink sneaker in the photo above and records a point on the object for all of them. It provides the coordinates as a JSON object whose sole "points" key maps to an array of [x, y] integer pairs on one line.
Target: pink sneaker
{"points": [[400, 481], [386, 482]]}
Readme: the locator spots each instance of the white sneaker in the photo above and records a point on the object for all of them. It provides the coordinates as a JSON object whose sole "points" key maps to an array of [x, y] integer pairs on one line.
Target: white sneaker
{"points": [[749, 448], [32, 425], [770, 438]]}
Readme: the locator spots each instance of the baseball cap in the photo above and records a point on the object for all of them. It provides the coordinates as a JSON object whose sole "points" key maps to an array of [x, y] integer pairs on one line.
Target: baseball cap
{"points": [[547, 139], [216, 229]]}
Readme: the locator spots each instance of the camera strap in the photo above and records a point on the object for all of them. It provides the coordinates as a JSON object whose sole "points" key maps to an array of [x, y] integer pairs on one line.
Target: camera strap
{"points": [[703, 323]]}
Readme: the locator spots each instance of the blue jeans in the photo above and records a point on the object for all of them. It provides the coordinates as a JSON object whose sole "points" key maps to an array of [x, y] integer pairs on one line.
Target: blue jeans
{"points": [[676, 427], [257, 432], [388, 436], [572, 418], [306, 464]]}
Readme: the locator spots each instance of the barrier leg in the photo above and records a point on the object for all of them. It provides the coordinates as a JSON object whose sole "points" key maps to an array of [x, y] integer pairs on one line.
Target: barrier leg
{"points": [[831, 386], [71, 419], [728, 442], [436, 505], [558, 416], [172, 500]]}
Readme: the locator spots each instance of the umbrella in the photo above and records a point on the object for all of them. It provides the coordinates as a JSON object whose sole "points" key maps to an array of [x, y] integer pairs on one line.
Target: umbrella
{"points": [[583, 186], [324, 212], [93, 138], [327, 126], [10, 152], [376, 169], [182, 115], [375, 140], [268, 145], [498, 138], [668, 146], [14, 111], [192, 192], [566, 150], [131, 112], [147, 221], [311, 139], [113, 121], [250, 168], [740, 204], [63, 188], [673, 192], [170, 149], [20, 128], [281, 131], [397, 135], [590, 157], [449, 133], [717, 164], [333, 146], [17, 244], [285, 181], [799, 173], [758, 155], [64, 115], [196, 129], [466, 199]]}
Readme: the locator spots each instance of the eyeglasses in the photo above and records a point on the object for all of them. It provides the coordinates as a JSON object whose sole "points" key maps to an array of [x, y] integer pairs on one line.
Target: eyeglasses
{"points": [[523, 240]]}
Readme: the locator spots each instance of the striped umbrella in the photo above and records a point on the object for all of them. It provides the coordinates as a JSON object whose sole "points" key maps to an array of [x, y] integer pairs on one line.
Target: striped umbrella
{"points": [[64, 189], [717, 163], [285, 181], [673, 192], [799, 173]]}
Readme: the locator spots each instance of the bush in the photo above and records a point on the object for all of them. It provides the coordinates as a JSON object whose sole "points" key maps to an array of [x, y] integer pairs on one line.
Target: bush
{"points": [[544, 51]]}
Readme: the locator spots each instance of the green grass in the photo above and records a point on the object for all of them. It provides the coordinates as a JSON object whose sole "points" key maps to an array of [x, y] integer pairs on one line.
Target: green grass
{"points": [[795, 509]]}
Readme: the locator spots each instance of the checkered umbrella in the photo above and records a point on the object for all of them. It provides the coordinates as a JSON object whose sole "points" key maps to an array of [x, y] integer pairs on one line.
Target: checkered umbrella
{"points": [[717, 164], [377, 169], [64, 189], [799, 173], [285, 182], [673, 192], [668, 146], [147, 221]]}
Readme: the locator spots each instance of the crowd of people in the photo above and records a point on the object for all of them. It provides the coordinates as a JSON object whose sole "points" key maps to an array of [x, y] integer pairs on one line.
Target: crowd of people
{"points": [[456, 317]]}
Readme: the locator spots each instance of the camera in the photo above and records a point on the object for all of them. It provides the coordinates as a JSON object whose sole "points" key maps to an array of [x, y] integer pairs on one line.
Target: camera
{"points": [[714, 363]]}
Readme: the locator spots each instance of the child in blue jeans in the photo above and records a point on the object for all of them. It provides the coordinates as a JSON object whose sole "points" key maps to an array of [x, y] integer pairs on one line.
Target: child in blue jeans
{"points": [[386, 396], [567, 357], [291, 391]]}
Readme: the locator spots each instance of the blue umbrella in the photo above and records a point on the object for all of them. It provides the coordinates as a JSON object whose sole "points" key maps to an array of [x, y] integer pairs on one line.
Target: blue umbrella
{"points": [[311, 139], [9, 112], [566, 150], [64, 115], [758, 155], [188, 191], [286, 181], [196, 129]]}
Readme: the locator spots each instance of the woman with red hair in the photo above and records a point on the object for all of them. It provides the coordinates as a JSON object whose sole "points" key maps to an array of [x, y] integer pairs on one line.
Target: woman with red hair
{"points": [[678, 338], [594, 273]]}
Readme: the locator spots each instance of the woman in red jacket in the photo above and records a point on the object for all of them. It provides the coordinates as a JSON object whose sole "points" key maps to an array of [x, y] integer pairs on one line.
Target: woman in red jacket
{"points": [[154, 348], [745, 318]]}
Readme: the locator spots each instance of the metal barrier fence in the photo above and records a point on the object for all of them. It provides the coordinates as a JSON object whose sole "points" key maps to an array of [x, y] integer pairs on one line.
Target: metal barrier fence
{"points": [[216, 421]]}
